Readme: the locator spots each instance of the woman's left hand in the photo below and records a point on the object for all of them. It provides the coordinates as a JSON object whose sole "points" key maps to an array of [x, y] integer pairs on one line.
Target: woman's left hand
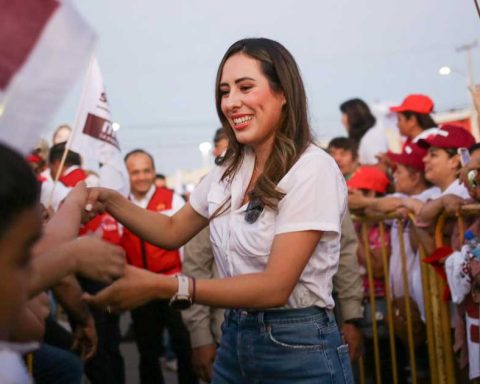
{"points": [[136, 287]]}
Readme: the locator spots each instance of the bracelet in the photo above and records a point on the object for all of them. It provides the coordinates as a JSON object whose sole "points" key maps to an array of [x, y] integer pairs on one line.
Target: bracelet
{"points": [[194, 288]]}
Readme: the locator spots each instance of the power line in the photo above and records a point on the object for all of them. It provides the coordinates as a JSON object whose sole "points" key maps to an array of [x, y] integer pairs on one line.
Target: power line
{"points": [[477, 7]]}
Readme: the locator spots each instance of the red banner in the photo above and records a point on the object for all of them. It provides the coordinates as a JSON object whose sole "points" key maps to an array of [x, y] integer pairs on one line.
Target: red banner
{"points": [[101, 129]]}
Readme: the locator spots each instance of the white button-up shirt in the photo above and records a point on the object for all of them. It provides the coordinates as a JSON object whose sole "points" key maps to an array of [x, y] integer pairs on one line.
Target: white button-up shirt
{"points": [[316, 199]]}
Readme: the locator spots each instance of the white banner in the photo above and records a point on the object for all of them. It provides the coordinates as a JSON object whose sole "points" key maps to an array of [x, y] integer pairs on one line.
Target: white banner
{"points": [[44, 46], [93, 135]]}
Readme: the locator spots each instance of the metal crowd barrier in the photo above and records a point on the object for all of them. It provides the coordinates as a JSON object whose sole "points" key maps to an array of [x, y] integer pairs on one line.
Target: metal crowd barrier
{"points": [[29, 361], [439, 339]]}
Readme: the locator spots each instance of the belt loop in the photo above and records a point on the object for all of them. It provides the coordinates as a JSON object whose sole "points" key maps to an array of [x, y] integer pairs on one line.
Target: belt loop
{"points": [[330, 315], [261, 320], [228, 314]]}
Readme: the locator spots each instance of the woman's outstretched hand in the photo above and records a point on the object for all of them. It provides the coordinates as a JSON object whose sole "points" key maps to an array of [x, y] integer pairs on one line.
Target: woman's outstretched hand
{"points": [[96, 201], [136, 287]]}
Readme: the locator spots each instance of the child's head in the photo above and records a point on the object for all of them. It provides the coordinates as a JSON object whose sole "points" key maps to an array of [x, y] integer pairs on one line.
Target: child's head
{"points": [[55, 156], [442, 160], [370, 180], [344, 151], [408, 176], [20, 227]]}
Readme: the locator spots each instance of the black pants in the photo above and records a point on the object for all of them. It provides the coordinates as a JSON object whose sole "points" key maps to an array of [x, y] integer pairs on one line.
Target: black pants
{"points": [[107, 366], [149, 322]]}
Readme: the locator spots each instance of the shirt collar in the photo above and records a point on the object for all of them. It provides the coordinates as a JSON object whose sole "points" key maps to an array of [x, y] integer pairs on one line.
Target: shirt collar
{"points": [[143, 202], [242, 179], [70, 169], [452, 187]]}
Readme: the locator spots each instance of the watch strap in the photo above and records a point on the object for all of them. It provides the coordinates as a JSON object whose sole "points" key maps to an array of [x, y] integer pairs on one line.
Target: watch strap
{"points": [[183, 286]]}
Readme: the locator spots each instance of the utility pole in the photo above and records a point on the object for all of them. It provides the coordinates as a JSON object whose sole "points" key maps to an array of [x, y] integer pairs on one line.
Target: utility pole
{"points": [[474, 94]]}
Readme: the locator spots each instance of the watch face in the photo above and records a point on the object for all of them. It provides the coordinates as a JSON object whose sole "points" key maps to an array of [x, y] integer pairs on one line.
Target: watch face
{"points": [[180, 304]]}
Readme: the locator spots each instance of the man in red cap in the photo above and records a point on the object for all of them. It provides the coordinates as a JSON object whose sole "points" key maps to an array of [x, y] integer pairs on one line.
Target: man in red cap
{"points": [[414, 120]]}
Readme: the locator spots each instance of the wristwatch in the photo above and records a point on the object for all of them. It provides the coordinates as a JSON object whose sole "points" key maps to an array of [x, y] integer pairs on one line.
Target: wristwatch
{"points": [[181, 299]]}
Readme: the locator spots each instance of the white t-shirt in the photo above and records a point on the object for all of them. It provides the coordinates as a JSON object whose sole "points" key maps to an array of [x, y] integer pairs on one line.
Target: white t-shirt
{"points": [[12, 368], [457, 189], [316, 199], [372, 143], [54, 193], [414, 275]]}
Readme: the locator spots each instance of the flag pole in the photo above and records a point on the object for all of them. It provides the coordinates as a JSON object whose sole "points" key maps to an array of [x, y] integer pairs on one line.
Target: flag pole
{"points": [[74, 128]]}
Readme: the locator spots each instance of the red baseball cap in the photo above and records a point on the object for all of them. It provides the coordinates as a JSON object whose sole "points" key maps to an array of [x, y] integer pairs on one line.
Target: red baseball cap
{"points": [[32, 158], [411, 156], [415, 103], [448, 136], [369, 177]]}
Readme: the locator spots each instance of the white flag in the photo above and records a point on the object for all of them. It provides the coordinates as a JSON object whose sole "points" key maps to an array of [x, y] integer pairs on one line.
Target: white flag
{"points": [[93, 134], [44, 46]]}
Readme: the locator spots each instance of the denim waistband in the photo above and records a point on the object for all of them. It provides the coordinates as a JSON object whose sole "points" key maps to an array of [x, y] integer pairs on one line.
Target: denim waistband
{"points": [[290, 315]]}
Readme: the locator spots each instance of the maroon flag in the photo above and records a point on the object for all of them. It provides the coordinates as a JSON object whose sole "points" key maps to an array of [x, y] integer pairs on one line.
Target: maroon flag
{"points": [[44, 46], [21, 25]]}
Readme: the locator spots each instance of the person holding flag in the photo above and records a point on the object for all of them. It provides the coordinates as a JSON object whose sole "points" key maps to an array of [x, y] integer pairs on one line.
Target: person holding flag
{"points": [[92, 137]]}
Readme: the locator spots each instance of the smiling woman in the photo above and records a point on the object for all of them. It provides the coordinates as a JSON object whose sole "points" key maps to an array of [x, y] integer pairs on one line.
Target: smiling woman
{"points": [[274, 204], [253, 97]]}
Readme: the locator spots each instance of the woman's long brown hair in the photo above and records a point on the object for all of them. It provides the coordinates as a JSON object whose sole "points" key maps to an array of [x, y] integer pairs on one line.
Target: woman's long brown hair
{"points": [[292, 136]]}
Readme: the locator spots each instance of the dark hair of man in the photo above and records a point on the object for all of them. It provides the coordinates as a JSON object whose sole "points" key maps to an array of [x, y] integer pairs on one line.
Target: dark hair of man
{"points": [[360, 118], [160, 176], [220, 134], [424, 120], [345, 143], [142, 152], [56, 154], [19, 189], [292, 136], [474, 147]]}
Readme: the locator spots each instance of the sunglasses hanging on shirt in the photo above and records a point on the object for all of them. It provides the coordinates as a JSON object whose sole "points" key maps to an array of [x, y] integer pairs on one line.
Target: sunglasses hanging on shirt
{"points": [[253, 211]]}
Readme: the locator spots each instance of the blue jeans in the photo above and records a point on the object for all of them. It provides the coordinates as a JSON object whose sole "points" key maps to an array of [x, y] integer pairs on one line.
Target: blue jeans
{"points": [[53, 365], [300, 346]]}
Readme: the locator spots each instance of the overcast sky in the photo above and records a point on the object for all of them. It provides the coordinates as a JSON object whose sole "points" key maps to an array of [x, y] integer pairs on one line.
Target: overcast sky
{"points": [[159, 60]]}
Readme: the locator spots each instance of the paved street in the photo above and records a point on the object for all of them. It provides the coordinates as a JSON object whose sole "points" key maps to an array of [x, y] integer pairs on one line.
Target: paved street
{"points": [[130, 354]]}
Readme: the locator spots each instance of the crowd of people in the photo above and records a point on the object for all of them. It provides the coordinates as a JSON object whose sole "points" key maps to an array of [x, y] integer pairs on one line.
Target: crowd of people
{"points": [[260, 274], [434, 173]]}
